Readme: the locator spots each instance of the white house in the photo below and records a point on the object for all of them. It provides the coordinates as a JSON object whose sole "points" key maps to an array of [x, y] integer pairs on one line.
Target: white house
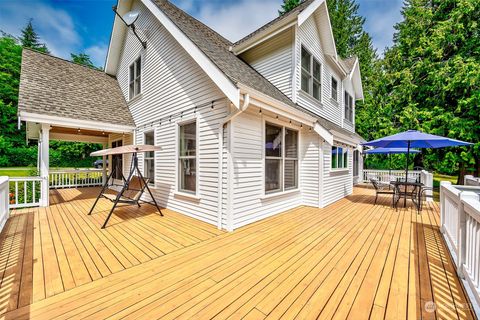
{"points": [[247, 129]]}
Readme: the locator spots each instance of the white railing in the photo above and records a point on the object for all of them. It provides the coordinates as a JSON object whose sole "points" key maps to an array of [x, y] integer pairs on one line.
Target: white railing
{"points": [[387, 176], [460, 224], [24, 192], [75, 178], [471, 181], [4, 201]]}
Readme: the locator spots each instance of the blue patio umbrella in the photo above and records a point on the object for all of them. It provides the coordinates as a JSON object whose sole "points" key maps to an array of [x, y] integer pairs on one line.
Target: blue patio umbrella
{"points": [[414, 139], [390, 151]]}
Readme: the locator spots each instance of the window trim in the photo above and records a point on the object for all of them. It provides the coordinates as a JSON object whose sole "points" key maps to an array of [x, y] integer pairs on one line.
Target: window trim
{"points": [[350, 103], [139, 77], [179, 192], [345, 150], [336, 89], [282, 190], [154, 131], [311, 79]]}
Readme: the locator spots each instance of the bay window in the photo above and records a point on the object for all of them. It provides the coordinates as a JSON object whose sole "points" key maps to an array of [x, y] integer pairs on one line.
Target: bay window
{"points": [[187, 158], [339, 158], [281, 158]]}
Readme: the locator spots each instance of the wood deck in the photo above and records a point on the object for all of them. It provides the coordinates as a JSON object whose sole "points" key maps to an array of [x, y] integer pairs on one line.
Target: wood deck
{"points": [[351, 260]]}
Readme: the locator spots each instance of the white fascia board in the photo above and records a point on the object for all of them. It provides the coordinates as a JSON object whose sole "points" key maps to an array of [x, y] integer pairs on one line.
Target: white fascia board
{"points": [[356, 79], [218, 77], [345, 138], [308, 11], [265, 35], [268, 103], [74, 123], [324, 133], [118, 33]]}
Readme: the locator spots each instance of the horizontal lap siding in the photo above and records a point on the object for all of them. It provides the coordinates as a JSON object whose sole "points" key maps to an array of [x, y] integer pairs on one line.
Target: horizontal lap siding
{"points": [[336, 185], [172, 82], [248, 205], [273, 60], [309, 168]]}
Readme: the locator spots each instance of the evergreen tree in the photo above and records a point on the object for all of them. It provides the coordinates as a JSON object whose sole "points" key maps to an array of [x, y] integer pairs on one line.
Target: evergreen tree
{"points": [[30, 38], [83, 59], [287, 6]]}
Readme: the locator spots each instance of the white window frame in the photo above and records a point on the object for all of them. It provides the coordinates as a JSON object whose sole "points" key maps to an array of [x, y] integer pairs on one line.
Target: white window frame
{"points": [[336, 90], [340, 166], [179, 192], [154, 131], [282, 190], [311, 78], [135, 79], [348, 106]]}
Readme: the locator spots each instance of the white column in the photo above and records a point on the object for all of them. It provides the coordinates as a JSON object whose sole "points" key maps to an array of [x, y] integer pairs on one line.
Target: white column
{"points": [[44, 163]]}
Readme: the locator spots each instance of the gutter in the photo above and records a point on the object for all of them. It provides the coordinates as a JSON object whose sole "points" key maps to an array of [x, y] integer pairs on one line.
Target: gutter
{"points": [[230, 117]]}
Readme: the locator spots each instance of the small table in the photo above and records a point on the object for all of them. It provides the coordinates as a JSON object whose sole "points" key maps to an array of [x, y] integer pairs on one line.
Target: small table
{"points": [[400, 185]]}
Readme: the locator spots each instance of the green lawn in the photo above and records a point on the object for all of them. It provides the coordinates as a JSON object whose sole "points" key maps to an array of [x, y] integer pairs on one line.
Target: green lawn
{"points": [[437, 178], [23, 171]]}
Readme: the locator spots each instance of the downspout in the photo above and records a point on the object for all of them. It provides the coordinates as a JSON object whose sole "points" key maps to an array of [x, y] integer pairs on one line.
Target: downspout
{"points": [[230, 117]]}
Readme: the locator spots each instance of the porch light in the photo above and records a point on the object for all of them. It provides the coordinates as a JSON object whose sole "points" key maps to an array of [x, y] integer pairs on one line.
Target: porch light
{"points": [[129, 19]]}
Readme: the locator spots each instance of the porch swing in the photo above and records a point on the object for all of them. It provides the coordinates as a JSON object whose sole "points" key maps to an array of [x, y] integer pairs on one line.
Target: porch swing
{"points": [[133, 187]]}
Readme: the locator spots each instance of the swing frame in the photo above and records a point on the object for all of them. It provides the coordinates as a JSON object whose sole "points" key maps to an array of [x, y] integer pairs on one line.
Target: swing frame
{"points": [[120, 198]]}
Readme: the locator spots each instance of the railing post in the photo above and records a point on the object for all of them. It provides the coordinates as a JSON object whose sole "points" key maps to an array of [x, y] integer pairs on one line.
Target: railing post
{"points": [[4, 201], [44, 164], [462, 228], [443, 185], [427, 179]]}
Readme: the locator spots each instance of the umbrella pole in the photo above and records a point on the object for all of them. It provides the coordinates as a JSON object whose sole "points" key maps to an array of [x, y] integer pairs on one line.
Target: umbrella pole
{"points": [[406, 176]]}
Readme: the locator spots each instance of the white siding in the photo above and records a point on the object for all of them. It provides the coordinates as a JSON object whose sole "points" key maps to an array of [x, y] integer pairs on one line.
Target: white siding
{"points": [[310, 168], [337, 184], [172, 82], [273, 59], [308, 36]]}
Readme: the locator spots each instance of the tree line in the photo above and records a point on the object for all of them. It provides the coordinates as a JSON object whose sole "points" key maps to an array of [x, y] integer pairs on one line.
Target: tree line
{"points": [[14, 149], [428, 79]]}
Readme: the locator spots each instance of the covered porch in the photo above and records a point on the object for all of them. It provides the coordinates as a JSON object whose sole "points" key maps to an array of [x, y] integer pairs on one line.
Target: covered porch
{"points": [[352, 260]]}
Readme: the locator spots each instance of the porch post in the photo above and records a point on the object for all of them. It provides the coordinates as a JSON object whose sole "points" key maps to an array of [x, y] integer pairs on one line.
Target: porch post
{"points": [[44, 163]]}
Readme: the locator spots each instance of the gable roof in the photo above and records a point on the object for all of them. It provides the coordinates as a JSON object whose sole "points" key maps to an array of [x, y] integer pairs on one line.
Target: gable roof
{"points": [[216, 48], [55, 87]]}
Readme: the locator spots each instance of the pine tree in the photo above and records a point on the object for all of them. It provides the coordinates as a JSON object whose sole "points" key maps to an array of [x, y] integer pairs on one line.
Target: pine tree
{"points": [[30, 38], [287, 6]]}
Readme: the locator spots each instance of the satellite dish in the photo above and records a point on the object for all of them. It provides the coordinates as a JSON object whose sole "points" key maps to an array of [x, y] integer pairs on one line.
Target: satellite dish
{"points": [[130, 17]]}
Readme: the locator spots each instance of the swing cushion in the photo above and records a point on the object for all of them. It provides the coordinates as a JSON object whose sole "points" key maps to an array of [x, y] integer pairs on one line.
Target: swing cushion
{"points": [[132, 193]]}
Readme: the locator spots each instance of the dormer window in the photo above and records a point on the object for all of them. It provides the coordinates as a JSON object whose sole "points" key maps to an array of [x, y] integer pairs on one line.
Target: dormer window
{"points": [[348, 107], [135, 75], [311, 81]]}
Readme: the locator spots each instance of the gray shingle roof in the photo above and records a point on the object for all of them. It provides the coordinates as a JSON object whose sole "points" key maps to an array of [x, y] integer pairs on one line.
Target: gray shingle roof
{"points": [[216, 48], [56, 87]]}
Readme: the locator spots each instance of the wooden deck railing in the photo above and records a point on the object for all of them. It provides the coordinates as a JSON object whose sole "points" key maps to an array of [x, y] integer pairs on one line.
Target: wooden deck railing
{"points": [[387, 176], [460, 225], [471, 181], [4, 201], [24, 192], [75, 178]]}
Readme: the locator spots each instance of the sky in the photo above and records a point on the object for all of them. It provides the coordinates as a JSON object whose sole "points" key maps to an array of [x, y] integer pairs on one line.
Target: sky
{"points": [[75, 26]]}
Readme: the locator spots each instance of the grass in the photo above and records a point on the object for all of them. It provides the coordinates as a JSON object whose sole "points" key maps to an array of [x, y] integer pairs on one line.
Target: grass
{"points": [[23, 171], [437, 178]]}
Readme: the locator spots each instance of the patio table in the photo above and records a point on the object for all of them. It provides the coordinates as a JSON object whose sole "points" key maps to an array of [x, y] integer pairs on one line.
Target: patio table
{"points": [[415, 193]]}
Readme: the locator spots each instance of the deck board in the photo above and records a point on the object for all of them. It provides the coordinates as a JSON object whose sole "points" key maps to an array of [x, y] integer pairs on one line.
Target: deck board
{"points": [[350, 260]]}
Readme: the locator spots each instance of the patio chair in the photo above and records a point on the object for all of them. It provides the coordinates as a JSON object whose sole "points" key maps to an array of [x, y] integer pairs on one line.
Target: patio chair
{"points": [[382, 188], [422, 195]]}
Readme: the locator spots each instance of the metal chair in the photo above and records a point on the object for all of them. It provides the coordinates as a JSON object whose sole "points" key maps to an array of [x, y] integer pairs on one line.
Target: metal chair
{"points": [[382, 188], [422, 195]]}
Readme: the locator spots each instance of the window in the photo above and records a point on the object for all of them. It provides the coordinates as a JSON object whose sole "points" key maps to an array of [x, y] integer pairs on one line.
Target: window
{"points": [[334, 89], [187, 157], [356, 162], [339, 158], [281, 158], [135, 78], [348, 107], [117, 161], [149, 163], [311, 79]]}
